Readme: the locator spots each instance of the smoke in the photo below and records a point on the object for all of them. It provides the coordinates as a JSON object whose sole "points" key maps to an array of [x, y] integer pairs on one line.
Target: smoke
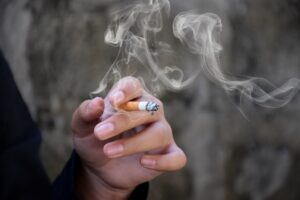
{"points": [[135, 26]]}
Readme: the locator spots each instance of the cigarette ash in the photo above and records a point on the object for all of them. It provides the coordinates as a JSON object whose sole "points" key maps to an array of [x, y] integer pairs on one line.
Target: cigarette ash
{"points": [[151, 106]]}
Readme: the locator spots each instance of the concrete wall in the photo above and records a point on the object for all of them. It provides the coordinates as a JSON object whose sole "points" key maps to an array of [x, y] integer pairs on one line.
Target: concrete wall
{"points": [[57, 53]]}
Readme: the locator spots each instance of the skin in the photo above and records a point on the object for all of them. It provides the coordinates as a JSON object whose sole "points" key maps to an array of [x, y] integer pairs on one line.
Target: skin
{"points": [[120, 150]]}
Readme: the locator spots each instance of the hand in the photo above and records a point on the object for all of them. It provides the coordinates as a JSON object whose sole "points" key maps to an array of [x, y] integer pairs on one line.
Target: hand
{"points": [[120, 150]]}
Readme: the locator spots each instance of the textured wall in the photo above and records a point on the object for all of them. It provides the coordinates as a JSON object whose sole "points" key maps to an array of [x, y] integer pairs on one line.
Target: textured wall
{"points": [[57, 54]]}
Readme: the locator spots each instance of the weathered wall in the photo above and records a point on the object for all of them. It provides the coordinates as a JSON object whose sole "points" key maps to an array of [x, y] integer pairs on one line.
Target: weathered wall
{"points": [[58, 55]]}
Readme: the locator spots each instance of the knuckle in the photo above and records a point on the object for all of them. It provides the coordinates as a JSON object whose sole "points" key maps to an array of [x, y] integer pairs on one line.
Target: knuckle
{"points": [[122, 116], [175, 162], [167, 128], [120, 121], [133, 82], [123, 119], [180, 159], [129, 86], [164, 133], [132, 79], [183, 160]]}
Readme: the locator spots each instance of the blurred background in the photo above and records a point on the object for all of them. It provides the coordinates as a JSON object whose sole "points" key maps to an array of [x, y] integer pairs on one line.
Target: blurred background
{"points": [[57, 54]]}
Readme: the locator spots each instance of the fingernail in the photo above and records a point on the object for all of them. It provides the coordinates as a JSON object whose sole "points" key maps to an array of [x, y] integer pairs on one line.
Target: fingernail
{"points": [[148, 162], [114, 149], [118, 97], [103, 131], [95, 100]]}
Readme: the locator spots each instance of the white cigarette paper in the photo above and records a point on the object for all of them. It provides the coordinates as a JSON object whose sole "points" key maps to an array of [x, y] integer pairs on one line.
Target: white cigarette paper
{"points": [[139, 106]]}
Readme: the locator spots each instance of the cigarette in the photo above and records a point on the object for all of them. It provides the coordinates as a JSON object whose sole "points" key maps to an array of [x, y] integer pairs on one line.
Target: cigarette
{"points": [[139, 106]]}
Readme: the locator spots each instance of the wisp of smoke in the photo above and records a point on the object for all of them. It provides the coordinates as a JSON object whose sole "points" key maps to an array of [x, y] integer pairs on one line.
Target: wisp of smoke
{"points": [[133, 26]]}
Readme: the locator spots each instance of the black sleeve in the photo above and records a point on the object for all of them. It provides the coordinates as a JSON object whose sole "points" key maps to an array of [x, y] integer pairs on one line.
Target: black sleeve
{"points": [[141, 192], [22, 174], [64, 186]]}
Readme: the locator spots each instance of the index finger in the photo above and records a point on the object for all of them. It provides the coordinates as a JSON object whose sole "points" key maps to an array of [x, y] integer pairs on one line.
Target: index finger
{"points": [[124, 90]]}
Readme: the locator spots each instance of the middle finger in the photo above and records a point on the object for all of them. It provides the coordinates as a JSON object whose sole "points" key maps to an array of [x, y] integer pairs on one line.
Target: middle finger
{"points": [[124, 121], [157, 136]]}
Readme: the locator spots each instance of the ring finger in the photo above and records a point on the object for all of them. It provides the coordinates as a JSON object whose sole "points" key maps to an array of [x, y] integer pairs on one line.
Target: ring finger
{"points": [[158, 135]]}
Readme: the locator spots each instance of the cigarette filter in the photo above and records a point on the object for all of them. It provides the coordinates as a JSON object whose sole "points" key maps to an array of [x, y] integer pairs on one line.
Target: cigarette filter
{"points": [[139, 106]]}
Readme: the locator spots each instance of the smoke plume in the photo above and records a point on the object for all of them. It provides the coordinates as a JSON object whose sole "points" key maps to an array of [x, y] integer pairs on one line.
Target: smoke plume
{"points": [[135, 26]]}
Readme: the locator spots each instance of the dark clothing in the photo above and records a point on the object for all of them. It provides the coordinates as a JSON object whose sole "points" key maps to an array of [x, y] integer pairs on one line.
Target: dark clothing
{"points": [[22, 176]]}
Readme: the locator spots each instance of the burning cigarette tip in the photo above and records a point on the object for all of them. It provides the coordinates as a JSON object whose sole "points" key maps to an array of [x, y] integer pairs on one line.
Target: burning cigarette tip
{"points": [[140, 106]]}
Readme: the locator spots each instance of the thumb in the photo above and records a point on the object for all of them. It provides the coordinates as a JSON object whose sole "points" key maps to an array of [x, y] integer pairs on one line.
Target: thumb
{"points": [[86, 116]]}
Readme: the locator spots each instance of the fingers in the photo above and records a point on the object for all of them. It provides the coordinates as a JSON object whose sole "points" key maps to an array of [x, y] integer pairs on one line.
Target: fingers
{"points": [[156, 136], [126, 89], [173, 160], [86, 116], [122, 122]]}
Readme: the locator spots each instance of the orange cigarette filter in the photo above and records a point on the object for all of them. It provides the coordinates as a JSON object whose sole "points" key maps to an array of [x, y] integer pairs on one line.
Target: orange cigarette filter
{"points": [[139, 106]]}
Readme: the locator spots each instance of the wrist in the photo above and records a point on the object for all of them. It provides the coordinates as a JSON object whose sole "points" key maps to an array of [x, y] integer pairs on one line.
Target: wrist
{"points": [[90, 187]]}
